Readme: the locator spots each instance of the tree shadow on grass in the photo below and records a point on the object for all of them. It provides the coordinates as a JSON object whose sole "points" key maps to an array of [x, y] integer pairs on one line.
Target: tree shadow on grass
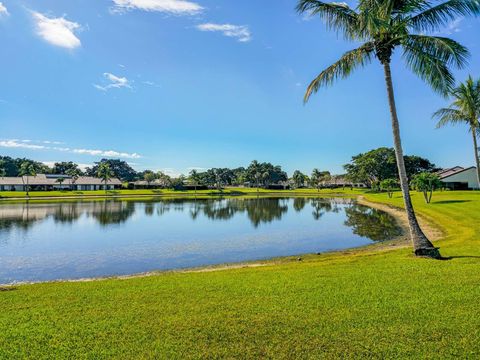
{"points": [[7, 288], [460, 257], [450, 201]]}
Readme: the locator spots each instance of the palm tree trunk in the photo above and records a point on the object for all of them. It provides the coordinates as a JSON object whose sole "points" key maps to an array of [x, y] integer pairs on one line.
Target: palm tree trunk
{"points": [[421, 245], [477, 157]]}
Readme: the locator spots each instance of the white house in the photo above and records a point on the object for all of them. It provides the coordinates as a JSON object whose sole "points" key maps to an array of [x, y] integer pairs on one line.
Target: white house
{"points": [[47, 182], [459, 178]]}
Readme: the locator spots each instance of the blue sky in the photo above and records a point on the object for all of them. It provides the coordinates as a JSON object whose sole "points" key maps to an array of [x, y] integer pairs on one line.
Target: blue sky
{"points": [[172, 85]]}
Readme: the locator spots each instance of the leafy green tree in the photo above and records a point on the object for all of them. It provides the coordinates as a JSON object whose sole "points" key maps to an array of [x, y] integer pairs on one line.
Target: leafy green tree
{"points": [[164, 179], [379, 164], [426, 183], [119, 168], [253, 173], [178, 183], [298, 178], [12, 166], [27, 169], [465, 109], [382, 27], [149, 177], [389, 185], [105, 173], [3, 171], [315, 179], [63, 167]]}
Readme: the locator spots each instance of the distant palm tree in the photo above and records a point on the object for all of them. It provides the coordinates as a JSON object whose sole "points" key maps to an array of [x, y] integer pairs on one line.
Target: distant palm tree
{"points": [[105, 173], [27, 169], [465, 109], [74, 174], [382, 26], [60, 181]]}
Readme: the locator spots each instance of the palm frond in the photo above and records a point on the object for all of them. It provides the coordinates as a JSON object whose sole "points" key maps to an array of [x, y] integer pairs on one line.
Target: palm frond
{"points": [[337, 16], [435, 18], [434, 71], [447, 116], [447, 50], [342, 68]]}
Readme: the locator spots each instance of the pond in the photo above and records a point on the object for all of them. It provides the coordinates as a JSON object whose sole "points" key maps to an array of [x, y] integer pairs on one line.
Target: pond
{"points": [[83, 239]]}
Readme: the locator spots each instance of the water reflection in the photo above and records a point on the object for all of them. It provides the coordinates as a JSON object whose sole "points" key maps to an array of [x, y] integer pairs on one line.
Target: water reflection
{"points": [[366, 222], [45, 241], [372, 223]]}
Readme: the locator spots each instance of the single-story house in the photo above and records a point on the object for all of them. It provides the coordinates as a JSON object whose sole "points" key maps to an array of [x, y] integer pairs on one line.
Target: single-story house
{"points": [[459, 178], [48, 182], [142, 184]]}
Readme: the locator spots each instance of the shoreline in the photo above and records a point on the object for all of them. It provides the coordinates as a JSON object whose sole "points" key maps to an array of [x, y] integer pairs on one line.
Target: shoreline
{"points": [[401, 241], [234, 192]]}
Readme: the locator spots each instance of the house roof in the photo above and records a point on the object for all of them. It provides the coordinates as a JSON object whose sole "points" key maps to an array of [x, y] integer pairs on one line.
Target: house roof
{"points": [[88, 180], [11, 181], [445, 173], [42, 179]]}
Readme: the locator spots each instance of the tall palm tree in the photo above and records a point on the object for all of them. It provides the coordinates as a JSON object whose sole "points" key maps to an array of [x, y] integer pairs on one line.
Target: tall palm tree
{"points": [[74, 174], [465, 109], [105, 173], [27, 169], [382, 26], [194, 178]]}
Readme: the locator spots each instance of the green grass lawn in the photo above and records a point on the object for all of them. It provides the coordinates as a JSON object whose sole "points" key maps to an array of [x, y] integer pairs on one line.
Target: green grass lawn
{"points": [[161, 192], [352, 304]]}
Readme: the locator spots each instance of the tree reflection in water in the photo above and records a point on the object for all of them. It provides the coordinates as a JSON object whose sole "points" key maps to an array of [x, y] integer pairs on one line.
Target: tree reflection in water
{"points": [[111, 212], [364, 221], [299, 203], [374, 224]]}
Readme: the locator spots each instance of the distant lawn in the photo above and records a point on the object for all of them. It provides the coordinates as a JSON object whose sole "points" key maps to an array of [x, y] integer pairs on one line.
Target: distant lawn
{"points": [[350, 304], [159, 192]]}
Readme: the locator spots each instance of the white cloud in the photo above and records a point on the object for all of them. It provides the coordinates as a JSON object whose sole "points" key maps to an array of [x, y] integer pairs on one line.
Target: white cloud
{"points": [[57, 31], [3, 10], [240, 32], [175, 7], [107, 153], [452, 27], [113, 81], [27, 144], [20, 144]]}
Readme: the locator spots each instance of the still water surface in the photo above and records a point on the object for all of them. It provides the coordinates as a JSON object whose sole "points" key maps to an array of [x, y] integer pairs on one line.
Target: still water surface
{"points": [[79, 239]]}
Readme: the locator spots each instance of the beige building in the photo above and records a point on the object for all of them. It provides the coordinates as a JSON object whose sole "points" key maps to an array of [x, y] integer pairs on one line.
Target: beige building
{"points": [[48, 182]]}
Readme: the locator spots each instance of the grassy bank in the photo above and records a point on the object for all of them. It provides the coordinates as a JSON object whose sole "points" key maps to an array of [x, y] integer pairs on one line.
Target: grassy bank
{"points": [[6, 195], [351, 304]]}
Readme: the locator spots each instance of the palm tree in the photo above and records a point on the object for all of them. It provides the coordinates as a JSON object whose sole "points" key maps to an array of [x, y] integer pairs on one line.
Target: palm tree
{"points": [[383, 26], [195, 179], [105, 173], [27, 169], [74, 174], [60, 181], [465, 109]]}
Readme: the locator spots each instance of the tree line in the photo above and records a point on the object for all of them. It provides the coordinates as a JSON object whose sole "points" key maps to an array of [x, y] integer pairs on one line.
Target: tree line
{"points": [[370, 168]]}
